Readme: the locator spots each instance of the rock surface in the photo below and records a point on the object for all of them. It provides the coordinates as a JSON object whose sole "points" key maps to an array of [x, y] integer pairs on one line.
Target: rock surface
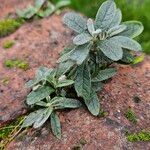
{"points": [[40, 42]]}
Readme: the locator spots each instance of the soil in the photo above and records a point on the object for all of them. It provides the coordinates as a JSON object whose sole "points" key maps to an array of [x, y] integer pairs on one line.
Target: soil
{"points": [[39, 42]]}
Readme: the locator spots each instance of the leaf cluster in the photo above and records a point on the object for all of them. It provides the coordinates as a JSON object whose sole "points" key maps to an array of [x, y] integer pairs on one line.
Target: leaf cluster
{"points": [[84, 65], [49, 94], [41, 8]]}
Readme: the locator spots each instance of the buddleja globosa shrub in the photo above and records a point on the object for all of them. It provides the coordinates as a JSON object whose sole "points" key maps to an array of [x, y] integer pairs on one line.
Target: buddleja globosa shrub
{"points": [[83, 65]]}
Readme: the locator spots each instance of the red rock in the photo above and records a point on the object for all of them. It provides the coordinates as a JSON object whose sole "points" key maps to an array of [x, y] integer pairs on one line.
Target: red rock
{"points": [[40, 42]]}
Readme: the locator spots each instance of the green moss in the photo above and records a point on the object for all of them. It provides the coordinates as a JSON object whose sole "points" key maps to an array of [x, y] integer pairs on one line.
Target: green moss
{"points": [[8, 26], [138, 59], [130, 115], [102, 113], [77, 147], [5, 80], [7, 130], [11, 63], [137, 137], [8, 44], [83, 141]]}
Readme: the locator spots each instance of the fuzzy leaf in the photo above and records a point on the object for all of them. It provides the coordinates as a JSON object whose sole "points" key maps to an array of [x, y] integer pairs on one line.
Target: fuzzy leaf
{"points": [[93, 104], [43, 117], [82, 38], [80, 53], [134, 28], [75, 22], [116, 19], [41, 103], [55, 125], [62, 103], [83, 82], [27, 13], [62, 3], [39, 3], [32, 117], [64, 67], [65, 56], [38, 95], [90, 26], [104, 74], [127, 56], [97, 86], [111, 49], [48, 11], [127, 43], [64, 83], [67, 49], [41, 74], [116, 30], [105, 14]]}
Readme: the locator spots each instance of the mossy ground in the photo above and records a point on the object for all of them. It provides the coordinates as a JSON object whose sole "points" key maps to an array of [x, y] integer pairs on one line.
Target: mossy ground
{"points": [[8, 44], [12, 63], [5, 80], [137, 137], [8, 26], [130, 115]]}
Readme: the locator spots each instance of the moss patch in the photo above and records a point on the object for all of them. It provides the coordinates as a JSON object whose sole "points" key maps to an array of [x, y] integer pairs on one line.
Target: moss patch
{"points": [[8, 44], [5, 80], [102, 114], [141, 136], [130, 115], [8, 26], [12, 63]]}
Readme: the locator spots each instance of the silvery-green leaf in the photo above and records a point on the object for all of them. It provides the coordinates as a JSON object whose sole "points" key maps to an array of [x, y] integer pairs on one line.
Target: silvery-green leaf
{"points": [[116, 19], [62, 3], [80, 53], [83, 81], [93, 104], [82, 38], [43, 117], [55, 125], [104, 74], [90, 26], [105, 14], [41, 74], [64, 83], [127, 56], [38, 95], [116, 30], [51, 77], [67, 49], [32, 117], [63, 102], [111, 49], [65, 57], [102, 59], [28, 12], [41, 103], [97, 86], [127, 43], [96, 32], [134, 28], [64, 67], [75, 22], [48, 11], [39, 3]]}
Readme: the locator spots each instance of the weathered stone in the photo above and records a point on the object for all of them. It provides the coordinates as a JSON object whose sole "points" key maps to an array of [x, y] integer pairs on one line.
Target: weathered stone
{"points": [[39, 42]]}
